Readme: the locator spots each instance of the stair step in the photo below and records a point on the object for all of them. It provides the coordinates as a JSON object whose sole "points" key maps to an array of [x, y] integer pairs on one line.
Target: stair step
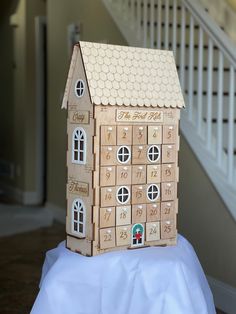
{"points": [[225, 106]]}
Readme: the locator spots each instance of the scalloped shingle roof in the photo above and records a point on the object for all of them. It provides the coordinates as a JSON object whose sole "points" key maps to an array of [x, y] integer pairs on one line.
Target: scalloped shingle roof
{"points": [[119, 75]]}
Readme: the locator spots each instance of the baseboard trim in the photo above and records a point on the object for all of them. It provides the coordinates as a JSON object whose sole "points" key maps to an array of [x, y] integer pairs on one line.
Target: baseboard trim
{"points": [[20, 196], [59, 213], [224, 295]]}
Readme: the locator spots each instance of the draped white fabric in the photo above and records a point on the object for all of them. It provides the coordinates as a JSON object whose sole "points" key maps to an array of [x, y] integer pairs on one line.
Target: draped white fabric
{"points": [[157, 280]]}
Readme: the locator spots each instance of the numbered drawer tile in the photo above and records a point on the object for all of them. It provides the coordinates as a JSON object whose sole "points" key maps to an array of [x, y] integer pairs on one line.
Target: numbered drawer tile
{"points": [[123, 215], [153, 212], [138, 194], [155, 134], [107, 217], [153, 231], [154, 154], [108, 155], [168, 229], [168, 172], [139, 154], [153, 193], [108, 135], [124, 135], [168, 211], [123, 155], [153, 173], [139, 174], [123, 175], [107, 176], [139, 213], [123, 235], [169, 134], [168, 191], [107, 238], [169, 153], [139, 134], [108, 196]]}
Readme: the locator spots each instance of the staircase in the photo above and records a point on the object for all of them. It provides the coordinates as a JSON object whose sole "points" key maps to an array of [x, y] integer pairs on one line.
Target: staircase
{"points": [[206, 62]]}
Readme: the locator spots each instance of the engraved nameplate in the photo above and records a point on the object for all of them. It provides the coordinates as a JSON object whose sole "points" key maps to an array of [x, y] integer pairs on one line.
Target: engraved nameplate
{"points": [[81, 117], [77, 187], [139, 116]]}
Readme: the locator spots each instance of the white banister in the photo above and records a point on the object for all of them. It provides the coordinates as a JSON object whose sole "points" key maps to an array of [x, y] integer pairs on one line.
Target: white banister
{"points": [[166, 24], [145, 23], [138, 20], [152, 10], [174, 28], [200, 75], [159, 24], [219, 149], [231, 126], [190, 70], [209, 94], [182, 49]]}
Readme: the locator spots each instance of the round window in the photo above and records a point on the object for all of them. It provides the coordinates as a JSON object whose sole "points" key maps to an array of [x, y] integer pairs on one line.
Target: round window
{"points": [[153, 153], [79, 88], [153, 192], [123, 195], [123, 154]]}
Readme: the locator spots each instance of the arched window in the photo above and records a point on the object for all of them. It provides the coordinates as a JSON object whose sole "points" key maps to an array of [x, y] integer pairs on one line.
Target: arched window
{"points": [[137, 235], [79, 88], [79, 146], [78, 217]]}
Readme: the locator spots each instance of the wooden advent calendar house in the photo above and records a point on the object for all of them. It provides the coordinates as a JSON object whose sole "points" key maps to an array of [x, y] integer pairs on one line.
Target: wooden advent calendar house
{"points": [[123, 119]]}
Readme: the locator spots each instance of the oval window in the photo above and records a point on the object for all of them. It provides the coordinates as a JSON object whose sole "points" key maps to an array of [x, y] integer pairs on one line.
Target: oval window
{"points": [[79, 88]]}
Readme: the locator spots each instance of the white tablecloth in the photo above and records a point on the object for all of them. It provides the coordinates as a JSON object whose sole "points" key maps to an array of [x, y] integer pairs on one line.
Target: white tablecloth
{"points": [[157, 280]]}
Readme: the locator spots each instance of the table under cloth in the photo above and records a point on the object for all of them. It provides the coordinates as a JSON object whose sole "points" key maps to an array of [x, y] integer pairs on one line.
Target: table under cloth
{"points": [[153, 280]]}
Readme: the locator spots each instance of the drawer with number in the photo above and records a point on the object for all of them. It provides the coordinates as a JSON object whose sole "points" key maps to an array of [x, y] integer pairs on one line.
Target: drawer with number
{"points": [[108, 196], [123, 235], [168, 172], [153, 231], [108, 155], [139, 134], [107, 217], [107, 176], [168, 211], [123, 215], [169, 153], [168, 229], [124, 135], [138, 194], [139, 154], [155, 134], [169, 134], [153, 173], [139, 213], [123, 175], [108, 135], [139, 174], [153, 212], [168, 191], [107, 238]]}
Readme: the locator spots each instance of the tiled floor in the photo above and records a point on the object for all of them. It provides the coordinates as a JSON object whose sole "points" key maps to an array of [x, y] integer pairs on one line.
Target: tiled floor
{"points": [[21, 262]]}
